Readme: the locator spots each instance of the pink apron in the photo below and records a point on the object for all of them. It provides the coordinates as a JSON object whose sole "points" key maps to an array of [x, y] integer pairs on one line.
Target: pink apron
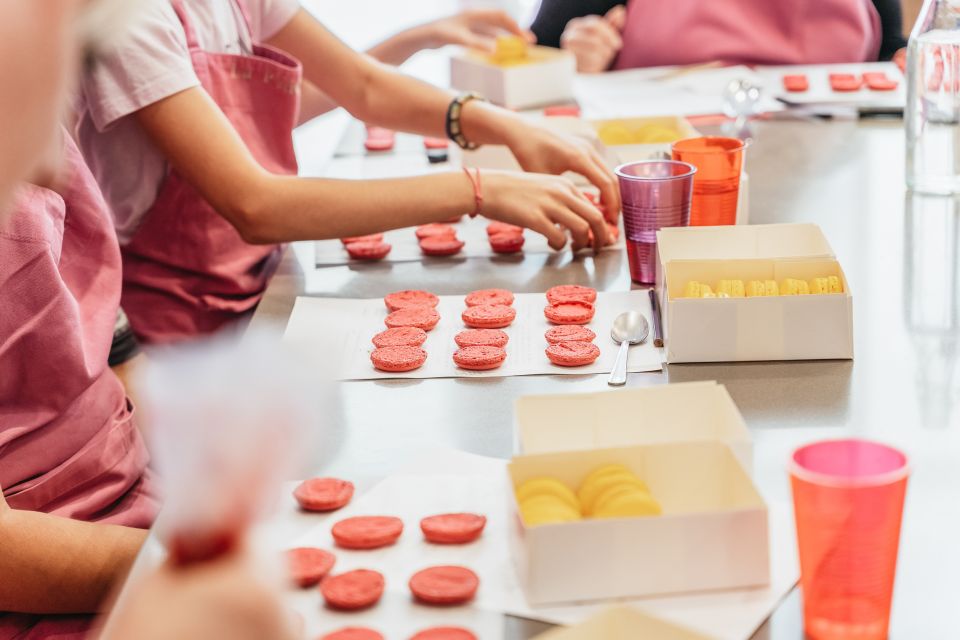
{"points": [[187, 271], [68, 442], [679, 32]]}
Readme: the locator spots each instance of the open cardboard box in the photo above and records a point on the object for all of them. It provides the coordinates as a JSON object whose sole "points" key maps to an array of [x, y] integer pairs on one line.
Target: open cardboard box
{"points": [[623, 623], [688, 412], [808, 327], [711, 535], [619, 153], [545, 78]]}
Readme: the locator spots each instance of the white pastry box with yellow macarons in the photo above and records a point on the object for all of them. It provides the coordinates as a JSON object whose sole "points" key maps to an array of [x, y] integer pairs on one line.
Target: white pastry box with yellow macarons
{"points": [[641, 515], [517, 78], [633, 139], [751, 293]]}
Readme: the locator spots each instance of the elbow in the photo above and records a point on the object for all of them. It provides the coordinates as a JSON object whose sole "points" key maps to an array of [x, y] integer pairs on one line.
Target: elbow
{"points": [[249, 213], [251, 226]]}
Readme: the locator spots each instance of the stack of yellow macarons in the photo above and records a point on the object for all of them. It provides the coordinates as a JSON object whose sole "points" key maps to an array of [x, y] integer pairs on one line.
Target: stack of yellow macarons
{"points": [[509, 50], [546, 500], [762, 288], [610, 491]]}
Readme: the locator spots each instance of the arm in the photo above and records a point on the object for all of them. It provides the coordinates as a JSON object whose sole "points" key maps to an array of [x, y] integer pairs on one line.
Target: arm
{"points": [[379, 95], [891, 21], [553, 16], [267, 208], [51, 564], [474, 28]]}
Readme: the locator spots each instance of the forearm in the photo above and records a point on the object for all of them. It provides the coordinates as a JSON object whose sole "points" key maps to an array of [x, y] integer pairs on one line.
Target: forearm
{"points": [[398, 48], [290, 208], [53, 565], [313, 102], [378, 94]]}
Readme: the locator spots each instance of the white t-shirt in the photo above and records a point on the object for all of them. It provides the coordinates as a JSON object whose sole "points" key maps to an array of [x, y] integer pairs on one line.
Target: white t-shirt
{"points": [[146, 64]]}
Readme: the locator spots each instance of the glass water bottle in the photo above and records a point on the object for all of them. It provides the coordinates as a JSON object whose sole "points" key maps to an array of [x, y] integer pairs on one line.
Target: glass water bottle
{"points": [[932, 111]]}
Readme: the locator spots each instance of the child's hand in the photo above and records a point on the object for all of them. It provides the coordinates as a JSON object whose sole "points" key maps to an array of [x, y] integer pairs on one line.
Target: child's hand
{"points": [[474, 28], [223, 598], [549, 205], [541, 151], [595, 40]]}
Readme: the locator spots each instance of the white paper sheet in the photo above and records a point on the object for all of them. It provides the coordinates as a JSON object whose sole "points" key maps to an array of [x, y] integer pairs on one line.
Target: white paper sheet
{"points": [[357, 321], [406, 246], [472, 483], [820, 92], [661, 91]]}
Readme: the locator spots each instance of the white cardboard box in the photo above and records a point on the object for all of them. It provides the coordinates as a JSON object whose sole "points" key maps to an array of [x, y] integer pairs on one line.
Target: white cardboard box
{"points": [[809, 327], [712, 533], [687, 412], [546, 79], [620, 153], [623, 623]]}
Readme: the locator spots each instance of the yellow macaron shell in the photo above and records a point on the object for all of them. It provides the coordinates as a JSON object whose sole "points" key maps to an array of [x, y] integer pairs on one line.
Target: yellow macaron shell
{"points": [[731, 289], [794, 287], [691, 289], [546, 509], [606, 469], [549, 487], [628, 504], [590, 492]]}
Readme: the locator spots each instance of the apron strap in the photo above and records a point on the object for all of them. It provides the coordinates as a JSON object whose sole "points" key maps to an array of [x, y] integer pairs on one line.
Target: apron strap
{"points": [[191, 35], [192, 42], [245, 12]]}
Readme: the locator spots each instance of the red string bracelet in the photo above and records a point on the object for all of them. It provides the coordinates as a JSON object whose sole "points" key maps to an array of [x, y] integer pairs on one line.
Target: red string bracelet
{"points": [[477, 190]]}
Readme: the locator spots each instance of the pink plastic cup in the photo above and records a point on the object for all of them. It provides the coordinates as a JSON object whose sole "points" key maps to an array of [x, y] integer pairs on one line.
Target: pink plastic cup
{"points": [[848, 502], [654, 194]]}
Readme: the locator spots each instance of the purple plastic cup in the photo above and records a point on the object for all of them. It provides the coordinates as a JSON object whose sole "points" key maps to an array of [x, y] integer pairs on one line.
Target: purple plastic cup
{"points": [[654, 194]]}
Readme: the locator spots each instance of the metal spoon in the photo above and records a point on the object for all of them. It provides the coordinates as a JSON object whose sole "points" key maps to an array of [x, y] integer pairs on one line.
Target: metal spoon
{"points": [[629, 328]]}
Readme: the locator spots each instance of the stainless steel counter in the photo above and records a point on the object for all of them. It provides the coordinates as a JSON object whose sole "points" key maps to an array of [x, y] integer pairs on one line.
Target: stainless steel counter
{"points": [[902, 265]]}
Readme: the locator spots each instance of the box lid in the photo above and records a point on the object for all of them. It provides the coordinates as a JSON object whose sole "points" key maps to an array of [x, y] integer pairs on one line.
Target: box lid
{"points": [[804, 240], [690, 411], [622, 623]]}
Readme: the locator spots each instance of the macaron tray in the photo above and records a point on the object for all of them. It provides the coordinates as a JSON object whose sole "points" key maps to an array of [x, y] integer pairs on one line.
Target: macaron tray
{"points": [[357, 321], [406, 246], [866, 85]]}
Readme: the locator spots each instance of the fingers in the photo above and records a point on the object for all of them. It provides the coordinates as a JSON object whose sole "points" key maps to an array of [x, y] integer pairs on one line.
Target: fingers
{"points": [[598, 32], [563, 214], [544, 225], [589, 164], [617, 17], [480, 42], [590, 215], [593, 42], [485, 18]]}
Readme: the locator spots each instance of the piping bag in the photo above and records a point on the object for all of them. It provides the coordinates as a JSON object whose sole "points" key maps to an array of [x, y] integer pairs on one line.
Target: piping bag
{"points": [[229, 420]]}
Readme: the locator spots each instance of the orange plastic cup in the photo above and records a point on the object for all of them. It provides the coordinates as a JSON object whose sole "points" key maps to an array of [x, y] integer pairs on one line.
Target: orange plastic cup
{"points": [[716, 187], [848, 502]]}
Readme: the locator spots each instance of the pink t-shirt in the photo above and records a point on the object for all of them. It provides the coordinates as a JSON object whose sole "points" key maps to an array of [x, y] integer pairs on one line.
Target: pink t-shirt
{"points": [[146, 64]]}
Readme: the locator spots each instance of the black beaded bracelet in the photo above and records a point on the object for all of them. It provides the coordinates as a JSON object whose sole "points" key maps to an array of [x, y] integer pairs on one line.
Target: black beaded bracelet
{"points": [[454, 130]]}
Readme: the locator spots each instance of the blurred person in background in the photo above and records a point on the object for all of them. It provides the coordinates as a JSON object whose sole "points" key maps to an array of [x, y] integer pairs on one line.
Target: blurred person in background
{"points": [[612, 34], [75, 493]]}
